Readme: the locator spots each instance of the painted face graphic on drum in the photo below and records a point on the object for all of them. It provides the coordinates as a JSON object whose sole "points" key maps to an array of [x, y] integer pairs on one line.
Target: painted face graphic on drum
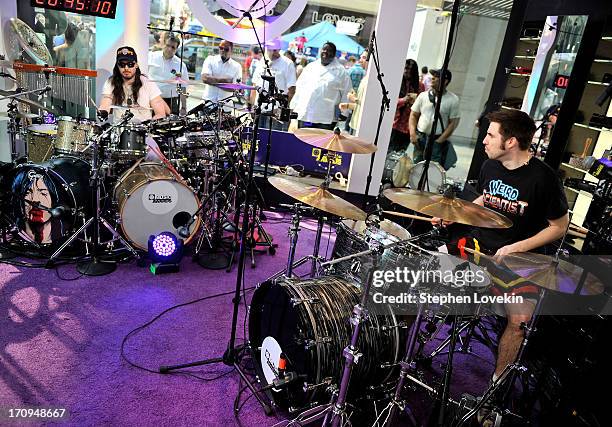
{"points": [[37, 199]]}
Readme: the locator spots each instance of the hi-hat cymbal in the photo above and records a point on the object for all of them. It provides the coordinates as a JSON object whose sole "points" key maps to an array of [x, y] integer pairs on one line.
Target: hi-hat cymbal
{"points": [[179, 81], [317, 197], [555, 275], [233, 86], [5, 116], [334, 140], [449, 209], [134, 107]]}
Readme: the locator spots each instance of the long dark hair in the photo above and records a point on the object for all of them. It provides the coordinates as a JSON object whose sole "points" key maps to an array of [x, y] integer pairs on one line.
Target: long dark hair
{"points": [[117, 81], [410, 85]]}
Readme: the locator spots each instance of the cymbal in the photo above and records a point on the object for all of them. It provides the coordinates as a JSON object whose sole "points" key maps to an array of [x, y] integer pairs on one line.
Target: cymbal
{"points": [[40, 106], [555, 275], [317, 197], [5, 116], [449, 209], [133, 107], [334, 141], [233, 86], [179, 81]]}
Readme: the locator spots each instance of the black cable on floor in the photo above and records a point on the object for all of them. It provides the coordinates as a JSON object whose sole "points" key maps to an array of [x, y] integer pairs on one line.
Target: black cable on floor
{"points": [[157, 317]]}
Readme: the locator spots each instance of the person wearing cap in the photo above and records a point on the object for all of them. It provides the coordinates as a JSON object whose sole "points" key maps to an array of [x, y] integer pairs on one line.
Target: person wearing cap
{"points": [[283, 70], [129, 87], [165, 65], [322, 85], [422, 117], [220, 69]]}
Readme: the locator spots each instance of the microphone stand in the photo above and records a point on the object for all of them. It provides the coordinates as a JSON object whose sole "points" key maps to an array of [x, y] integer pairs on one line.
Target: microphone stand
{"points": [[231, 355], [384, 106], [438, 98]]}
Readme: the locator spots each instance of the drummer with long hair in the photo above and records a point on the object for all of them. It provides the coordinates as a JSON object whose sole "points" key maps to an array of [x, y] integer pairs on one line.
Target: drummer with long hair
{"points": [[128, 87]]}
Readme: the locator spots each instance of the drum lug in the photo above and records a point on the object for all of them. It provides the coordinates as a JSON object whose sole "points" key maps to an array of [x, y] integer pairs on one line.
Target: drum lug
{"points": [[298, 301], [308, 344], [360, 314]]}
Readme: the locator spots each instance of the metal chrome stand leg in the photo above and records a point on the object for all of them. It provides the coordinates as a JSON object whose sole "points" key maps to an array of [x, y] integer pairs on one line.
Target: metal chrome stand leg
{"points": [[293, 239], [315, 254]]}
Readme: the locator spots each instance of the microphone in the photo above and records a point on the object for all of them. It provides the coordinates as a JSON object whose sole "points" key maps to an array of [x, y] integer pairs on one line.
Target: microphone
{"points": [[59, 211], [183, 231], [43, 91], [371, 46], [288, 378], [244, 15]]}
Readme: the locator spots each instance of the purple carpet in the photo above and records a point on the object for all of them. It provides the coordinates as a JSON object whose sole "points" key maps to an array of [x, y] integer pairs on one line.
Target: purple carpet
{"points": [[60, 342]]}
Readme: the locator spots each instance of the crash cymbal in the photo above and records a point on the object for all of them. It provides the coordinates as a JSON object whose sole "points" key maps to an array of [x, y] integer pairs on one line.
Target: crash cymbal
{"points": [[233, 86], [555, 275], [5, 116], [179, 81], [334, 140], [317, 197], [449, 209], [132, 107]]}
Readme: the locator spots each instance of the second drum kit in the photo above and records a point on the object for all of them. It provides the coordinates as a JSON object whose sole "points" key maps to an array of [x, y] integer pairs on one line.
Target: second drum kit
{"points": [[323, 350]]}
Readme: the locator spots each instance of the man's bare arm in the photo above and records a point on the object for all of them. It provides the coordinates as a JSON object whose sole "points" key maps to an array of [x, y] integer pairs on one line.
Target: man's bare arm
{"points": [[209, 79], [452, 125], [412, 125]]}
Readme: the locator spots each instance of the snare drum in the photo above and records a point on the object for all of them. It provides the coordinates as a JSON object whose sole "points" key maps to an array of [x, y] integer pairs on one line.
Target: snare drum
{"points": [[355, 236], [436, 177], [73, 135], [40, 140], [152, 199]]}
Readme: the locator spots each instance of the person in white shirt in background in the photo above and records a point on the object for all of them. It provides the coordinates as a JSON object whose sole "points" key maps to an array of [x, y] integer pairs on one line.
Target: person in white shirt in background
{"points": [[322, 85], [165, 65], [283, 70], [127, 87], [220, 69]]}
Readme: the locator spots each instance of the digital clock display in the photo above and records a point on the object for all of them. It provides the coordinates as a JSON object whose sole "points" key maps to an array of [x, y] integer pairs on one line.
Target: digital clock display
{"points": [[103, 8], [561, 81]]}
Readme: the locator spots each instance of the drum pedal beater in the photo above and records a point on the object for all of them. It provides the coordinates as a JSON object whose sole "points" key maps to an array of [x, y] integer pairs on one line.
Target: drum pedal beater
{"points": [[95, 266]]}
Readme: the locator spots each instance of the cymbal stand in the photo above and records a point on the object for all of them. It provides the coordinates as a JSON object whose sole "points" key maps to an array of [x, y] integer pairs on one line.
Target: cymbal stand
{"points": [[13, 127], [510, 372], [96, 266]]}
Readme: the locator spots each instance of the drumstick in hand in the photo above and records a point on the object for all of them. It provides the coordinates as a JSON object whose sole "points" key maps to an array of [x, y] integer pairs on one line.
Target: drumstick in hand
{"points": [[421, 218]]}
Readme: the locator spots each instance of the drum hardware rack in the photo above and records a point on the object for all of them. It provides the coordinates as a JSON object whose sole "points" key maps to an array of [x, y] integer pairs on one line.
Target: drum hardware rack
{"points": [[96, 266]]}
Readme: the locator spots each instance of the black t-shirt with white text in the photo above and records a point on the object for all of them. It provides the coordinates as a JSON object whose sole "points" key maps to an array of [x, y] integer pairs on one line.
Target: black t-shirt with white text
{"points": [[528, 196]]}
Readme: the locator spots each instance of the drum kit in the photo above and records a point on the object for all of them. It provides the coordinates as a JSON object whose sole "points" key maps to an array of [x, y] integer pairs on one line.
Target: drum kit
{"points": [[323, 346], [152, 175]]}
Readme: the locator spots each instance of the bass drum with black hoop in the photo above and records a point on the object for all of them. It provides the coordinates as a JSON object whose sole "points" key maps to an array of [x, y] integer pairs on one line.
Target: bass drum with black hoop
{"points": [[63, 183], [308, 322]]}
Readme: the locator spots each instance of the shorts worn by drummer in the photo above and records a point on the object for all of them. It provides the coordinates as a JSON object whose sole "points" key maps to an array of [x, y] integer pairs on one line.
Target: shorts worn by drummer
{"points": [[528, 192], [128, 87]]}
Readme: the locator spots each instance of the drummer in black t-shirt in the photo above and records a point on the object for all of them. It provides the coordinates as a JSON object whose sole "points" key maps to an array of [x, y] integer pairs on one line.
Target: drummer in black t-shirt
{"points": [[528, 192]]}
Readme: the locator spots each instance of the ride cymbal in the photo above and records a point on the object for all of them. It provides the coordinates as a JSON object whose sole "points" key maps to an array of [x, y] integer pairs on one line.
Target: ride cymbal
{"points": [[449, 209], [334, 140], [317, 197]]}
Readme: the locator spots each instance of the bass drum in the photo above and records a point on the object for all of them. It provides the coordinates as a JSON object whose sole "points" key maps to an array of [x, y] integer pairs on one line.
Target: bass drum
{"points": [[436, 177], [152, 199], [354, 236], [36, 189], [307, 321]]}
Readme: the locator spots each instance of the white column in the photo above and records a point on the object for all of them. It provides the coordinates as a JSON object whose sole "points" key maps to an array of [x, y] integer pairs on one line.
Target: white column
{"points": [[393, 28], [129, 28]]}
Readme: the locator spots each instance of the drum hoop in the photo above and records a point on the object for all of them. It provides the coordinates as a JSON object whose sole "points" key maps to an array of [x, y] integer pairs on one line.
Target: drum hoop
{"points": [[433, 164]]}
